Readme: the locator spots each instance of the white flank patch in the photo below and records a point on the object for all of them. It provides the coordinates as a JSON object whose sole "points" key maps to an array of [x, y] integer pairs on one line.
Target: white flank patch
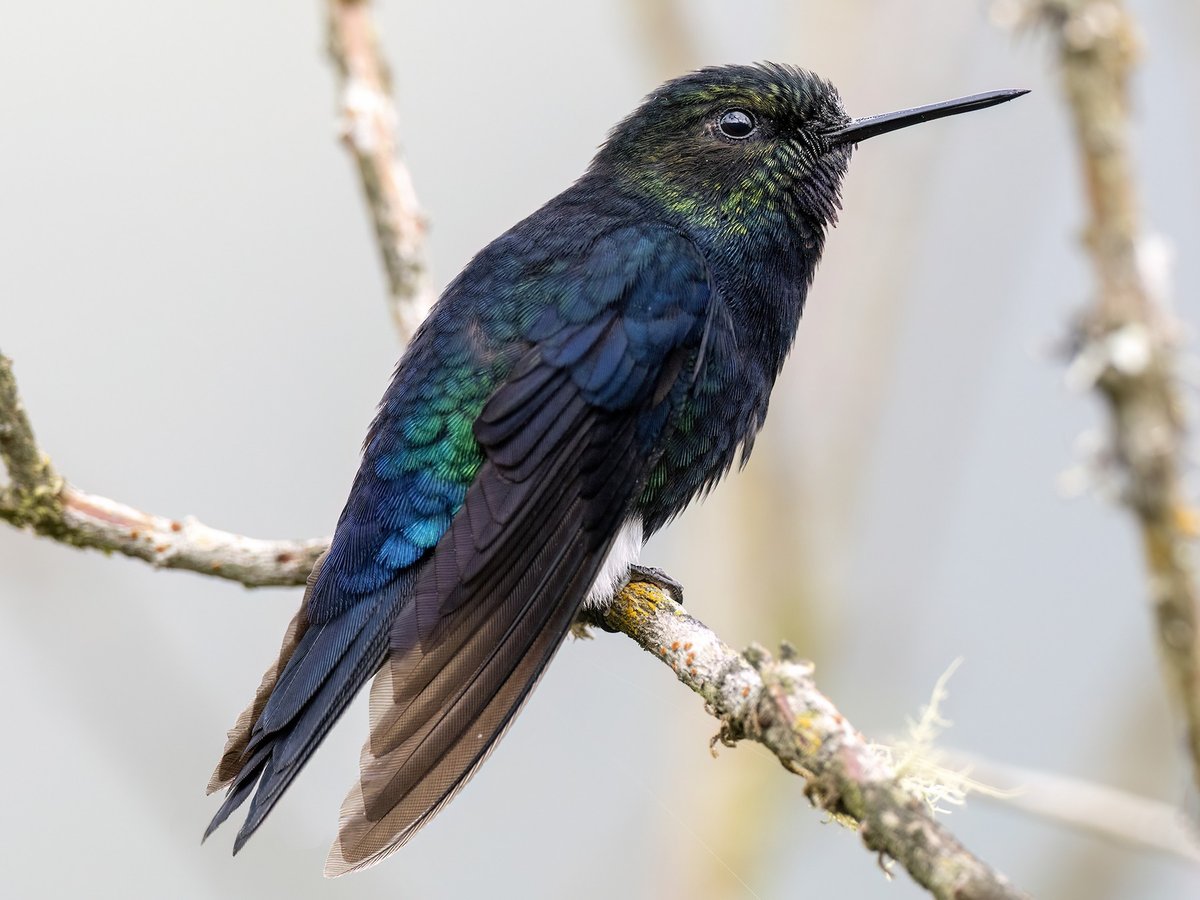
{"points": [[624, 552]]}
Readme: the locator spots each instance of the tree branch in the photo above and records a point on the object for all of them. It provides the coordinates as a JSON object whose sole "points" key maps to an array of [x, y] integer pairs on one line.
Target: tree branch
{"points": [[1115, 815], [38, 499], [777, 704], [1127, 339], [33, 484], [368, 129]]}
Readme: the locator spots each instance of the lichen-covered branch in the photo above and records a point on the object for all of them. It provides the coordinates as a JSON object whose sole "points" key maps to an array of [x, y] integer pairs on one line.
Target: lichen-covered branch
{"points": [[1127, 338], [38, 499], [776, 703], [33, 484], [368, 129]]}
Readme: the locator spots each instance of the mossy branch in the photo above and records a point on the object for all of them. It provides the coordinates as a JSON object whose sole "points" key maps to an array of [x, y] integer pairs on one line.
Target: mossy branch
{"points": [[775, 702]]}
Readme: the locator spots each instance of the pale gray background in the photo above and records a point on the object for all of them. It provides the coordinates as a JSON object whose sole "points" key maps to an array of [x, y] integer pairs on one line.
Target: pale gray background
{"points": [[192, 298]]}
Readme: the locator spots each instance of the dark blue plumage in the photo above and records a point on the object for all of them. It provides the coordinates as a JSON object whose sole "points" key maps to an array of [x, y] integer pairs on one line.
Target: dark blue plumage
{"points": [[587, 375]]}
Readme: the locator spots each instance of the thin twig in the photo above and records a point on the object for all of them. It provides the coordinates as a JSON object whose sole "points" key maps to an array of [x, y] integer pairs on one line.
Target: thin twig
{"points": [[38, 499], [368, 129], [33, 484], [1127, 339], [1107, 812], [776, 703]]}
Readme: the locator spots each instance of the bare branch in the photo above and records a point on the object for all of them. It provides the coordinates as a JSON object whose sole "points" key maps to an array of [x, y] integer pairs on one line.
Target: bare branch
{"points": [[38, 499], [1109, 813], [1127, 339], [777, 704], [368, 130]]}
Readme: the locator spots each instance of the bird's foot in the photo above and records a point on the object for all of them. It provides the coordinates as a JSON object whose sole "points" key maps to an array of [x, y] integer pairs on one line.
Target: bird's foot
{"points": [[658, 578]]}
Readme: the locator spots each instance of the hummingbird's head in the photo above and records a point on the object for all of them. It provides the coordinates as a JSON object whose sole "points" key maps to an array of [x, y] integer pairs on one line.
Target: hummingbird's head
{"points": [[727, 145], [750, 149]]}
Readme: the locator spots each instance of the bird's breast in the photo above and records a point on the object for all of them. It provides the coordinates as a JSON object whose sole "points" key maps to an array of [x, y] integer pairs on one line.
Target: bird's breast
{"points": [[714, 420]]}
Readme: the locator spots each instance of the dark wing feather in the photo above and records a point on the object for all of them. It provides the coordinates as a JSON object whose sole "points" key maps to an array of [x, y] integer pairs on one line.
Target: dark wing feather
{"points": [[234, 753], [487, 616], [568, 440]]}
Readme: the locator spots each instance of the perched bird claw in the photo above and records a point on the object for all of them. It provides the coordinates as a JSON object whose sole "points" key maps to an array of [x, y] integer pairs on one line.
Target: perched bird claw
{"points": [[658, 578]]}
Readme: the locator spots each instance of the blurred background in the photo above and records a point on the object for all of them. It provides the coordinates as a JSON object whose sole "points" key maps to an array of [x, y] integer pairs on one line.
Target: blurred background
{"points": [[192, 298]]}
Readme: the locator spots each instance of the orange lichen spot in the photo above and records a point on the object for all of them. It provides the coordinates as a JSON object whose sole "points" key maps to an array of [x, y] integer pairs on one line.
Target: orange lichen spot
{"points": [[746, 692], [216, 567], [177, 526], [675, 645], [687, 646], [134, 535], [662, 649], [283, 558], [161, 548]]}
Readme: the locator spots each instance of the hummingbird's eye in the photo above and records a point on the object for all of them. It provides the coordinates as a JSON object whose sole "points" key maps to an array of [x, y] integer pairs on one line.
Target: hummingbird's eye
{"points": [[736, 124]]}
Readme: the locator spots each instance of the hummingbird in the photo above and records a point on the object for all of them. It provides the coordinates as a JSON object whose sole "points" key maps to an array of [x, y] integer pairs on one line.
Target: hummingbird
{"points": [[586, 376]]}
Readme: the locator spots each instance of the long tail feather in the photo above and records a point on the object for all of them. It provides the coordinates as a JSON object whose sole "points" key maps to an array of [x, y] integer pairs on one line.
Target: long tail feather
{"points": [[320, 670], [239, 736]]}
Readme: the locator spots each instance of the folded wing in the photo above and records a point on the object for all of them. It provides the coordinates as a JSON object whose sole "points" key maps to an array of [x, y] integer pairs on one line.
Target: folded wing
{"points": [[568, 440]]}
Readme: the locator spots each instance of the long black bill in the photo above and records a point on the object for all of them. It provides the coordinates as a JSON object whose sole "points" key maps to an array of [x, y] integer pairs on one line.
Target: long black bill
{"points": [[861, 129]]}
